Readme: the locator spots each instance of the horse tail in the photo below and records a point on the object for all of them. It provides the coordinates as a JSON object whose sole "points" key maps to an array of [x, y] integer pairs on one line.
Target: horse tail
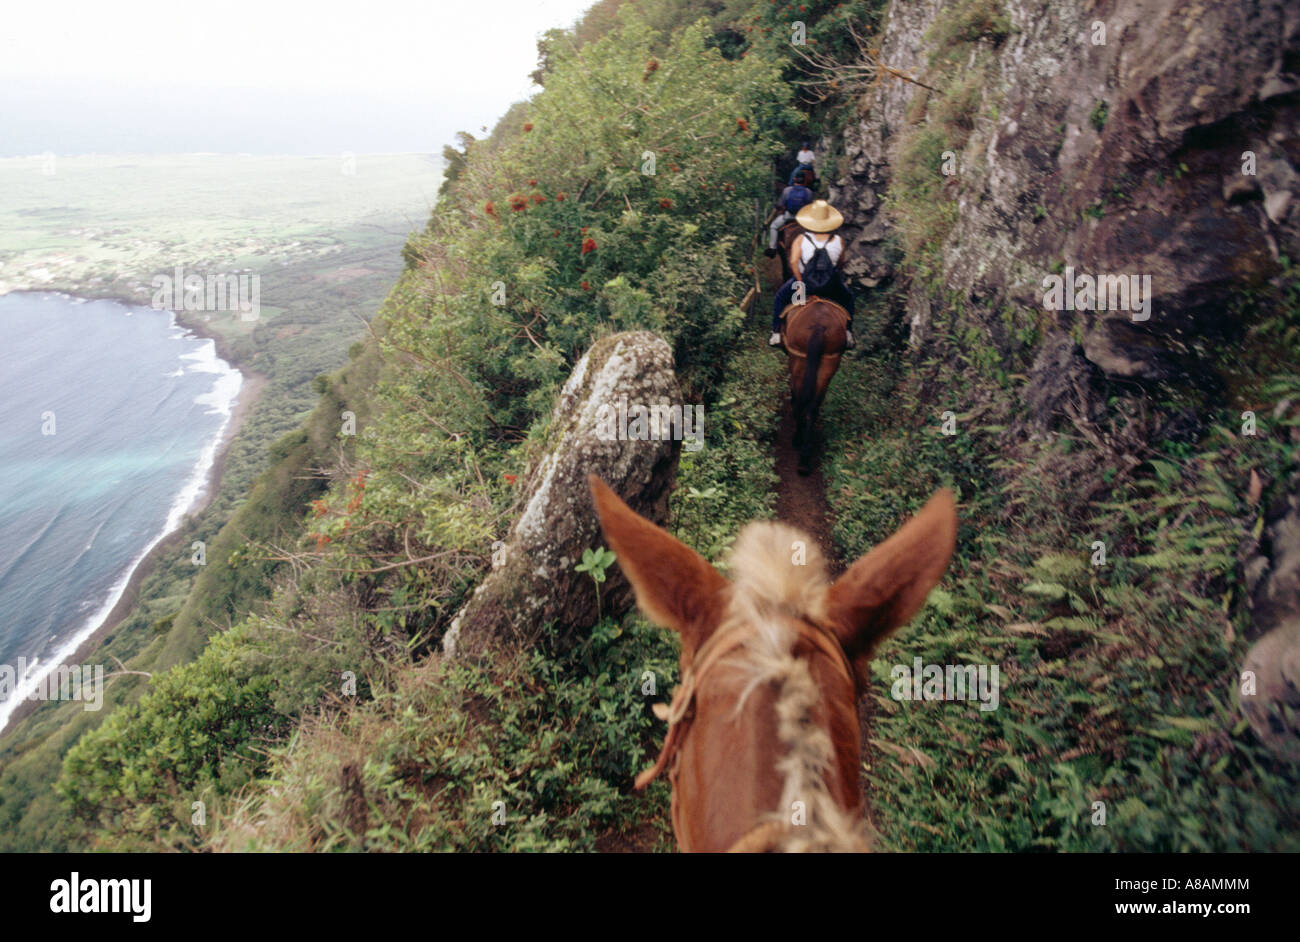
{"points": [[808, 392]]}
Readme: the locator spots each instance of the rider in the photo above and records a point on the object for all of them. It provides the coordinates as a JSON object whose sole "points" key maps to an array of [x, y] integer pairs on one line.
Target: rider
{"points": [[804, 162], [793, 198], [819, 220]]}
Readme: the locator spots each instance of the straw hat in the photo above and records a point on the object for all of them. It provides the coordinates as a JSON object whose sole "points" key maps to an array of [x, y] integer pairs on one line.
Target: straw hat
{"points": [[819, 216]]}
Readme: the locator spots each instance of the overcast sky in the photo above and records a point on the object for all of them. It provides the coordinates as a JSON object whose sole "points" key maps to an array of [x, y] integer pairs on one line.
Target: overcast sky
{"points": [[265, 76]]}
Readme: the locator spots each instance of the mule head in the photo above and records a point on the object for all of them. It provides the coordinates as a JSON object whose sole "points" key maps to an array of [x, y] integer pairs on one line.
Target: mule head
{"points": [[775, 724]]}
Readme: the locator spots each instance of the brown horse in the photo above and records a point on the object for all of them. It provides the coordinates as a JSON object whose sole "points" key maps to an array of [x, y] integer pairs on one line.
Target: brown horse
{"points": [[786, 237], [815, 335], [763, 737]]}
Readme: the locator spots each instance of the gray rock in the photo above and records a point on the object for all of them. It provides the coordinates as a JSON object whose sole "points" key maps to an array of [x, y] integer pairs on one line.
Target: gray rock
{"points": [[1276, 594], [1272, 710], [1059, 374], [536, 587]]}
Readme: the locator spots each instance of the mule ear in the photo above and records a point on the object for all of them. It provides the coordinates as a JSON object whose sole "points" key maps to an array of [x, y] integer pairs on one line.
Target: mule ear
{"points": [[886, 587], [675, 586]]}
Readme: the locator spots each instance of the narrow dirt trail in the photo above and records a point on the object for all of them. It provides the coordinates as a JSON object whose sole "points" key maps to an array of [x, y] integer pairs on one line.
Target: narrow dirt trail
{"points": [[800, 499]]}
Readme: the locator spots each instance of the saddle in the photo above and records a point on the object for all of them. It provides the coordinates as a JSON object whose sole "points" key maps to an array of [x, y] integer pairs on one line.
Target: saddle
{"points": [[792, 311]]}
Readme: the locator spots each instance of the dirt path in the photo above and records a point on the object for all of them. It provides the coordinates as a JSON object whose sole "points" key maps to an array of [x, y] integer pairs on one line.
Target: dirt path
{"points": [[801, 498]]}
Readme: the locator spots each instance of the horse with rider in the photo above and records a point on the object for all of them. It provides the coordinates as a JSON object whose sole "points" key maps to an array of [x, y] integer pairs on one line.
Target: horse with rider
{"points": [[812, 313]]}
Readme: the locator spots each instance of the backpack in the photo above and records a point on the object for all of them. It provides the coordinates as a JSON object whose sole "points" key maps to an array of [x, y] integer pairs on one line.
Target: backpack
{"points": [[797, 199], [820, 270]]}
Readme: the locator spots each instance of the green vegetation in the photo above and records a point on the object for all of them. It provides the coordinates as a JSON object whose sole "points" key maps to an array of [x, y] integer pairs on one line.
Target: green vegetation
{"points": [[322, 718], [1097, 117], [557, 736], [1118, 679]]}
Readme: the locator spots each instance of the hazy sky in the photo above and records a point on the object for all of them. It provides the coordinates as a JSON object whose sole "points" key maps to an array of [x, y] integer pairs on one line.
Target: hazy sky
{"points": [[264, 75]]}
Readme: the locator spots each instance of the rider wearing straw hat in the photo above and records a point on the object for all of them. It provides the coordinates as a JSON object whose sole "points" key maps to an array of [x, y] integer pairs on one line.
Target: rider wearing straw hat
{"points": [[819, 220]]}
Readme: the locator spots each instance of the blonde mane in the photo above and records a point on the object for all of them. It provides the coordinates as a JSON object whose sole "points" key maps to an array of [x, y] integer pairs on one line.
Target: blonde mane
{"points": [[778, 571]]}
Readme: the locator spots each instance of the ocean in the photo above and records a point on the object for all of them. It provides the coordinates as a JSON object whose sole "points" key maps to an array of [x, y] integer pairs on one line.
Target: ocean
{"points": [[110, 420]]}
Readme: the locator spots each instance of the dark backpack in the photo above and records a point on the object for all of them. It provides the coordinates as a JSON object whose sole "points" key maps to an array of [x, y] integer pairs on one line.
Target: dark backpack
{"points": [[820, 270], [797, 198]]}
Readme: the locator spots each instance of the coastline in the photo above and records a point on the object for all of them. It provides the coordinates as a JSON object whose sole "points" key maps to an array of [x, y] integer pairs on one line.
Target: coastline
{"points": [[250, 391]]}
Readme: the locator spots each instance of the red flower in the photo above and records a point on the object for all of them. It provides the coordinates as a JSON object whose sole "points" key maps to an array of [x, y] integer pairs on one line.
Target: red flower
{"points": [[555, 234], [742, 124], [583, 230], [510, 478], [539, 198], [588, 245], [674, 168], [489, 208], [665, 203], [320, 507], [560, 197], [518, 202], [532, 183], [586, 287], [527, 128]]}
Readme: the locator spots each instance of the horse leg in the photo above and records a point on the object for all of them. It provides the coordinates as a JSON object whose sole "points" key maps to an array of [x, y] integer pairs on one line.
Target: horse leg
{"points": [[798, 370]]}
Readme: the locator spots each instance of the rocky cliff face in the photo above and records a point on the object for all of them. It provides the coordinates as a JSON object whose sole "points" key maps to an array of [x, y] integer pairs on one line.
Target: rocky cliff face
{"points": [[1113, 137], [1150, 138]]}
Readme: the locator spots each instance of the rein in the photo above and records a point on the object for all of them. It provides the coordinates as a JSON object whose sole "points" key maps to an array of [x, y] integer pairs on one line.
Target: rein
{"points": [[681, 712]]}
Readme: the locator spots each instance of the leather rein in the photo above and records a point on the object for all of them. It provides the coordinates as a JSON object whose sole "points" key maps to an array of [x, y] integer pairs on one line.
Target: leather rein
{"points": [[681, 712]]}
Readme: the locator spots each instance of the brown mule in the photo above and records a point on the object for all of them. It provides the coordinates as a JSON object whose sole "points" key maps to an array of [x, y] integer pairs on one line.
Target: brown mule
{"points": [[815, 336], [763, 738], [786, 237]]}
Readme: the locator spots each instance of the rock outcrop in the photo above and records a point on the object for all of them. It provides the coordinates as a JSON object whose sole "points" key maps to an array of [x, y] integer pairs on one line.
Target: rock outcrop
{"points": [[1272, 667], [1273, 663], [1169, 149], [534, 584]]}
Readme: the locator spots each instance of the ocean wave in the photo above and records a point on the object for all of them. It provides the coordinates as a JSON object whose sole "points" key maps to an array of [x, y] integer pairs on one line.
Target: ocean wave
{"points": [[222, 398], [30, 545]]}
